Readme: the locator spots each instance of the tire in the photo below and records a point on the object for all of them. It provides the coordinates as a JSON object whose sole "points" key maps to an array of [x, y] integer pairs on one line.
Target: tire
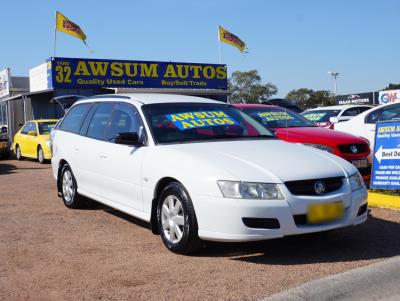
{"points": [[18, 153], [40, 155], [175, 211], [69, 193]]}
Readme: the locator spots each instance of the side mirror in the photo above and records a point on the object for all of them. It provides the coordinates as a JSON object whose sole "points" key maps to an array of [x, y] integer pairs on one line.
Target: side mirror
{"points": [[334, 119], [128, 138], [32, 133]]}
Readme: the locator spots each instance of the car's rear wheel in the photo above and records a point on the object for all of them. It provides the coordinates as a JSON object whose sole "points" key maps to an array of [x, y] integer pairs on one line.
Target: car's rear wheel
{"points": [[18, 152], [69, 193], [176, 220], [40, 155]]}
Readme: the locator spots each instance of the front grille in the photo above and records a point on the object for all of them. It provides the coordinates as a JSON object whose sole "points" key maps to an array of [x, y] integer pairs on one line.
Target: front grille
{"points": [[306, 187], [261, 223], [346, 148]]}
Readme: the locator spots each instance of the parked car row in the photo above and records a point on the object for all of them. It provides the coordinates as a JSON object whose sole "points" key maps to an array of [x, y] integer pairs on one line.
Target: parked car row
{"points": [[198, 169]]}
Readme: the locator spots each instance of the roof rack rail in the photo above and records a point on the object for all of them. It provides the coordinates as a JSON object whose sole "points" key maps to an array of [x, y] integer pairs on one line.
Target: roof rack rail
{"points": [[108, 96]]}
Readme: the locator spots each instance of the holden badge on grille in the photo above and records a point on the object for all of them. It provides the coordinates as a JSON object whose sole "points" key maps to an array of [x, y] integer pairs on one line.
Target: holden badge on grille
{"points": [[354, 149], [319, 187]]}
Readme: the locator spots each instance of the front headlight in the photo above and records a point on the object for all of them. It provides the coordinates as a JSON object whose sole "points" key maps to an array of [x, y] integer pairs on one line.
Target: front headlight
{"points": [[356, 181], [246, 190], [321, 147]]}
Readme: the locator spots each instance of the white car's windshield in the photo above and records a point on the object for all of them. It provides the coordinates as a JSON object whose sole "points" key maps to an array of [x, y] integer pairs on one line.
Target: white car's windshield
{"points": [[187, 122]]}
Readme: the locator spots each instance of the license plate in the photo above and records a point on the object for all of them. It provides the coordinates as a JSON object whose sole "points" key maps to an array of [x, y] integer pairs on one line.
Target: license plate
{"points": [[360, 163], [321, 213]]}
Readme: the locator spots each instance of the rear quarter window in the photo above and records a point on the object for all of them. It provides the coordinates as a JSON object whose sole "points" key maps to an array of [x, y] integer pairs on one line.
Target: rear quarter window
{"points": [[73, 120]]}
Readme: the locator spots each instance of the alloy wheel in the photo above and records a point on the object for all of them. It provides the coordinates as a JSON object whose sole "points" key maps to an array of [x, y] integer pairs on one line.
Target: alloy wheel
{"points": [[68, 186], [172, 219]]}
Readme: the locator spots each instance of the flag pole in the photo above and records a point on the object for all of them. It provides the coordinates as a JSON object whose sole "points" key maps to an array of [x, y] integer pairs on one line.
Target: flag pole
{"points": [[55, 36], [219, 46]]}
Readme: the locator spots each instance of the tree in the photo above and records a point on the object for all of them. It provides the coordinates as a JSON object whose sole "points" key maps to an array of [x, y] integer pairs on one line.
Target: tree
{"points": [[392, 87], [246, 87], [308, 98]]}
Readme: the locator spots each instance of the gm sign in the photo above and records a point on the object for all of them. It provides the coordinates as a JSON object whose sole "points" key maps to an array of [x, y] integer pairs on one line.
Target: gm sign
{"points": [[390, 96]]}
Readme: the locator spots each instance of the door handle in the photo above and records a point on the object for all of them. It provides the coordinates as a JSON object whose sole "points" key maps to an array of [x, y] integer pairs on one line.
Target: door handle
{"points": [[103, 157], [76, 149]]}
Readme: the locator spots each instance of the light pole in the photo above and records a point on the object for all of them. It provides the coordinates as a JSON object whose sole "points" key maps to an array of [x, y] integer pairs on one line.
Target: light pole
{"points": [[334, 76]]}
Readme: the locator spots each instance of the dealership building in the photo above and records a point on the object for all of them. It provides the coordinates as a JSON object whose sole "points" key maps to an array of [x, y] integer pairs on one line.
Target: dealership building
{"points": [[28, 98]]}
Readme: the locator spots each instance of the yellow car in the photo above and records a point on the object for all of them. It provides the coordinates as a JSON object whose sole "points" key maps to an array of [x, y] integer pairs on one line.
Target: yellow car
{"points": [[33, 140]]}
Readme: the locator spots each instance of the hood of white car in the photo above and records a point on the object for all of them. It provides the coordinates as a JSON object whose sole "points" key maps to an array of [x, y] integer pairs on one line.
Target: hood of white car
{"points": [[272, 161]]}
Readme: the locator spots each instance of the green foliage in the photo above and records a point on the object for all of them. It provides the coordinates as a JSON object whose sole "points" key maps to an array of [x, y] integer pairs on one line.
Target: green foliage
{"points": [[246, 87], [308, 98], [392, 87]]}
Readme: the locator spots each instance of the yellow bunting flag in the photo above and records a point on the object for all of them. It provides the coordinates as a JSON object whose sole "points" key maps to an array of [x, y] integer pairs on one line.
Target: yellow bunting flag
{"points": [[63, 24], [230, 38]]}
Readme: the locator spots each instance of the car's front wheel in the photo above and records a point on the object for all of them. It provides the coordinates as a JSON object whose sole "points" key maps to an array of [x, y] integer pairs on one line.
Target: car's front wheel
{"points": [[40, 155], [18, 152], [69, 193], [176, 220]]}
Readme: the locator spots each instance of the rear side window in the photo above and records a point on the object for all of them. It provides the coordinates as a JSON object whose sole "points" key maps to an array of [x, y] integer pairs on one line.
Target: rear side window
{"points": [[100, 121], [351, 112], [373, 117], [73, 120], [363, 109], [390, 113]]}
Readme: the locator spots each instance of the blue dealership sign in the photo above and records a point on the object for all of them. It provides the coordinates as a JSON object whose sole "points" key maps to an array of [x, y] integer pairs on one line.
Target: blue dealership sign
{"points": [[96, 73], [386, 162]]}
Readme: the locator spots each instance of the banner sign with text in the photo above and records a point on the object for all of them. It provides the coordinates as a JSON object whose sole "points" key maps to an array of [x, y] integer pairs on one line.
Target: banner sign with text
{"points": [[355, 99], [390, 96], [97, 73], [386, 161]]}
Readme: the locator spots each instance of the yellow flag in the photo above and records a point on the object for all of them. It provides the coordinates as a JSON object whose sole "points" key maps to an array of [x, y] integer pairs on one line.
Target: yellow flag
{"points": [[230, 38], [63, 24]]}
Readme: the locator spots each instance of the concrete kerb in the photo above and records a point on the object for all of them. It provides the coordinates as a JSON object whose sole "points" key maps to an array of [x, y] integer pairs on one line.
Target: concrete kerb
{"points": [[379, 281]]}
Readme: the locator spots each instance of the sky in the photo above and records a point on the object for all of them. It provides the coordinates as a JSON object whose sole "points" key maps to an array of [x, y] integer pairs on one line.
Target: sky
{"points": [[292, 43]]}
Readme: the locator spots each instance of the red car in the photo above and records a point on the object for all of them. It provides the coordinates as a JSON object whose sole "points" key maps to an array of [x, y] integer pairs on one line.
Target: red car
{"points": [[292, 127]]}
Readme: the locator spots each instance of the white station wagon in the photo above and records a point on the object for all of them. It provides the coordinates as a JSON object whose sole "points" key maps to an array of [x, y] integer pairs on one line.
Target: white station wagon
{"points": [[198, 169]]}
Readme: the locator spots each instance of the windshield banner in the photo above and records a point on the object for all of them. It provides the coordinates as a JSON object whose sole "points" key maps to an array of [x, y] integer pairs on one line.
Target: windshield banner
{"points": [[97, 73], [274, 116], [200, 119], [314, 116], [355, 99]]}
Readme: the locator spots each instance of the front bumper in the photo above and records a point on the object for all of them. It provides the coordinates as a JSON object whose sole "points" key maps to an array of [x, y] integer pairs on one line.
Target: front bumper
{"points": [[221, 219]]}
